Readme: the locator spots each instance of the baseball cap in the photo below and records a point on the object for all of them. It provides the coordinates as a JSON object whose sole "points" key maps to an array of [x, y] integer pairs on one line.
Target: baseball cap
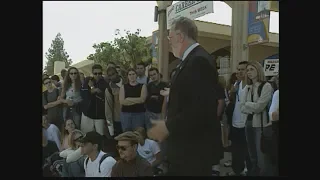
{"points": [[92, 137]]}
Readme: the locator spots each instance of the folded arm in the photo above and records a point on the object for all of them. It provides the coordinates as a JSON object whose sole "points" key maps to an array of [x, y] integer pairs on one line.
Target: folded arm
{"points": [[141, 99], [122, 100], [262, 102]]}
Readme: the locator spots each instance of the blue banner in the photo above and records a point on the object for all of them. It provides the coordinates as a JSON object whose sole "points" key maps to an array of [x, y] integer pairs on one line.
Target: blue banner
{"points": [[258, 22]]}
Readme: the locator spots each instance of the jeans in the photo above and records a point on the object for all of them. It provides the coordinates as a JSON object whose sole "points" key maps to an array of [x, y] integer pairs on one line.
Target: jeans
{"points": [[261, 163], [131, 121], [151, 116]]}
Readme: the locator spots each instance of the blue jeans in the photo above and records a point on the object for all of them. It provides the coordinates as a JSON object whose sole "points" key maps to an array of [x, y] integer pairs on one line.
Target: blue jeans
{"points": [[131, 121], [261, 163], [151, 116]]}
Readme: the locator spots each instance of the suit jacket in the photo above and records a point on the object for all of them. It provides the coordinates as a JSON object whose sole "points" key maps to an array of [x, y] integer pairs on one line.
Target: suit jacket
{"points": [[194, 130]]}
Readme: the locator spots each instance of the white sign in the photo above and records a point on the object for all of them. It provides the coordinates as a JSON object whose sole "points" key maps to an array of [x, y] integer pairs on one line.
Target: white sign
{"points": [[189, 9], [271, 67]]}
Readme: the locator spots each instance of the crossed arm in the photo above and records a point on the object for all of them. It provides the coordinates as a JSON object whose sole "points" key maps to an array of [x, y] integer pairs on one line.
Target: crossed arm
{"points": [[130, 100]]}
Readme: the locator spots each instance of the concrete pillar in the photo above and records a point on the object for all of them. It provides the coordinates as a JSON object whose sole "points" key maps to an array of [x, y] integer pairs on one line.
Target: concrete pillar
{"points": [[239, 31], [163, 61], [58, 66]]}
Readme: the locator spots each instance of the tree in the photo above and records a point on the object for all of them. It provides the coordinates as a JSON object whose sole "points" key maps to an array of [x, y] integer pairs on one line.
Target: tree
{"points": [[56, 53], [125, 51]]}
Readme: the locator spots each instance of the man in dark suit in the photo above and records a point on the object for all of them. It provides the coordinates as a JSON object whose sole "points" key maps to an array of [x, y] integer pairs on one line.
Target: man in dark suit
{"points": [[192, 130]]}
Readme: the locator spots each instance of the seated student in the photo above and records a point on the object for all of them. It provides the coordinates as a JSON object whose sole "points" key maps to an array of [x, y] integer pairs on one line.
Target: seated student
{"points": [[73, 153], [74, 160], [52, 132], [48, 147], [98, 163], [68, 127], [130, 164], [149, 150]]}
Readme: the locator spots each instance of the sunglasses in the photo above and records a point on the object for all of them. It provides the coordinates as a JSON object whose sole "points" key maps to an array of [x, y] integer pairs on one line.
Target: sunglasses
{"points": [[77, 139], [49, 82], [99, 73], [122, 148], [75, 73]]}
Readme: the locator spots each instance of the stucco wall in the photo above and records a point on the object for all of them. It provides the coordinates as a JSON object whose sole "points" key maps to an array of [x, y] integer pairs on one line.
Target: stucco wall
{"points": [[212, 45], [259, 52]]}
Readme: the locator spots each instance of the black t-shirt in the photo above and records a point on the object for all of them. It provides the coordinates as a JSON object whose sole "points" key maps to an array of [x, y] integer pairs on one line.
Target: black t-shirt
{"points": [[155, 104], [133, 92], [49, 150]]}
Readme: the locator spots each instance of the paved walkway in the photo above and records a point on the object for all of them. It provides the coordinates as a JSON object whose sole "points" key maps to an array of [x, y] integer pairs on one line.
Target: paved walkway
{"points": [[224, 170]]}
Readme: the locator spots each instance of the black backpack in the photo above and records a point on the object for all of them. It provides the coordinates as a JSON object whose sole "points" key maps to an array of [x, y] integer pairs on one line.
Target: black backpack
{"points": [[259, 94], [101, 160]]}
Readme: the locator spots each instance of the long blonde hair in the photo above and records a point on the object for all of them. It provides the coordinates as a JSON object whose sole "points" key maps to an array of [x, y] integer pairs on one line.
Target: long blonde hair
{"points": [[260, 72]]}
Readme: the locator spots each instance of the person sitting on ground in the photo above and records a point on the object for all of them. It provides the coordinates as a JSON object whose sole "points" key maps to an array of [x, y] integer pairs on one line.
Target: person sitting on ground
{"points": [[73, 153], [149, 150], [74, 160], [68, 127], [131, 163], [48, 147], [52, 132], [98, 163]]}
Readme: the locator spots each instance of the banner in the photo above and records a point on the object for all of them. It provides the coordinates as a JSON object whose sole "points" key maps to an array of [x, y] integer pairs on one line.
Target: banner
{"points": [[271, 67], [189, 9], [258, 22]]}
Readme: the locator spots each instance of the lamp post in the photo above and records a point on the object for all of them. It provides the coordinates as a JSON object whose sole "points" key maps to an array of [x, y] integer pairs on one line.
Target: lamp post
{"points": [[163, 61]]}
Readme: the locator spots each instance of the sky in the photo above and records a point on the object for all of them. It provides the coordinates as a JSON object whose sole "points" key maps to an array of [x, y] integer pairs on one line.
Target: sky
{"points": [[83, 23]]}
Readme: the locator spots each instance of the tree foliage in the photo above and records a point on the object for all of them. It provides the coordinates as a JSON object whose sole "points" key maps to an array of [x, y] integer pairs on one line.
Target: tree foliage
{"points": [[56, 53], [125, 51]]}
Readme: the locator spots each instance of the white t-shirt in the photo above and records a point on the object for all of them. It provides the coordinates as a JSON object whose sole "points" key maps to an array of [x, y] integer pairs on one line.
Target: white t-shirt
{"points": [[274, 104], [149, 150], [237, 121], [92, 168], [53, 134]]}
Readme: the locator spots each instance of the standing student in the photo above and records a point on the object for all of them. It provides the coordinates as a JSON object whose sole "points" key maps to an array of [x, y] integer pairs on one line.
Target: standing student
{"points": [[132, 97], [253, 105]]}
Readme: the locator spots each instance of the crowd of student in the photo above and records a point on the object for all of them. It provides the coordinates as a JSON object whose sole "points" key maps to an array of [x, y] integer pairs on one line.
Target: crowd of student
{"points": [[96, 126], [103, 107]]}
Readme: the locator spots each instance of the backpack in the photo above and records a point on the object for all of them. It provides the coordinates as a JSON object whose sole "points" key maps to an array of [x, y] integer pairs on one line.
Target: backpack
{"points": [[101, 160], [51, 166], [269, 103]]}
